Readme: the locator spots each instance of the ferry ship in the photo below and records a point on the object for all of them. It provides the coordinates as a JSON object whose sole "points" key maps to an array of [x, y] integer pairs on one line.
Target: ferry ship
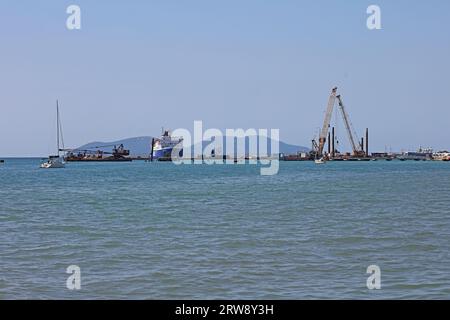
{"points": [[162, 147], [421, 154], [441, 156]]}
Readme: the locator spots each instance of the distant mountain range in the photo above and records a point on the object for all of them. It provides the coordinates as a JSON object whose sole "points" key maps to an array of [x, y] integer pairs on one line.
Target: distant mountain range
{"points": [[140, 146]]}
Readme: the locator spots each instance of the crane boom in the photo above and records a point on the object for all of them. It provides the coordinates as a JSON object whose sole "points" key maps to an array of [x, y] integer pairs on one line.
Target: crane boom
{"points": [[326, 122], [355, 147]]}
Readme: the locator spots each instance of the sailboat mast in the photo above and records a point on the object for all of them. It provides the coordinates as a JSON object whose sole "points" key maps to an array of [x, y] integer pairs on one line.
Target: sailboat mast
{"points": [[57, 126]]}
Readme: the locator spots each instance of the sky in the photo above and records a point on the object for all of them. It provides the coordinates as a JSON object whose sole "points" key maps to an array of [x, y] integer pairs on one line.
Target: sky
{"points": [[136, 66]]}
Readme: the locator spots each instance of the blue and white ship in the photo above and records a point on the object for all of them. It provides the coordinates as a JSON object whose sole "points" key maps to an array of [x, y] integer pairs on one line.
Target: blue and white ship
{"points": [[162, 147]]}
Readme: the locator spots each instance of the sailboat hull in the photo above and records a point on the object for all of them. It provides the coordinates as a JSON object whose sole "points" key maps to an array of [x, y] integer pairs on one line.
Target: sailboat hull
{"points": [[53, 164]]}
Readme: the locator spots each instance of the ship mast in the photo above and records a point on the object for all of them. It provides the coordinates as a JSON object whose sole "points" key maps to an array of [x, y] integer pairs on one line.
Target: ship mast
{"points": [[57, 127], [59, 131]]}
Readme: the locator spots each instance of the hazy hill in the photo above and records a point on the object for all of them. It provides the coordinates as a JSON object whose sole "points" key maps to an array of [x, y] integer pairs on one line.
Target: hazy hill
{"points": [[140, 146]]}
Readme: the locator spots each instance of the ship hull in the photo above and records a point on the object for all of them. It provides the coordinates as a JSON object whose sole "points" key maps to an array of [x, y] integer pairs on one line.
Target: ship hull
{"points": [[165, 153]]}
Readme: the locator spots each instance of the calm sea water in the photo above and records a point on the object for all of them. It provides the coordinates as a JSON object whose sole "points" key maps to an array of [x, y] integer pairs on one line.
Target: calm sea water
{"points": [[156, 230]]}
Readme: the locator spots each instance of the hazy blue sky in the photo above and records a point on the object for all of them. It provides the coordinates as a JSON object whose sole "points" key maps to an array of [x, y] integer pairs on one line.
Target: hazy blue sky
{"points": [[138, 65]]}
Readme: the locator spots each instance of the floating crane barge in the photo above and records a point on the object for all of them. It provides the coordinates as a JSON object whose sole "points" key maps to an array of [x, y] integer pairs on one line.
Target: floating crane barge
{"points": [[359, 153], [118, 154]]}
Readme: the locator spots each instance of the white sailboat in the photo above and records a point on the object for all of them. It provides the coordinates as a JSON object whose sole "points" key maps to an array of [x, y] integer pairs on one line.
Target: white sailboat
{"points": [[56, 161]]}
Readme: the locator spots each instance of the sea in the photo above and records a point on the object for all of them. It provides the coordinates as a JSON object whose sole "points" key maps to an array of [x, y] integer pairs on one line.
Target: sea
{"points": [[143, 230]]}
